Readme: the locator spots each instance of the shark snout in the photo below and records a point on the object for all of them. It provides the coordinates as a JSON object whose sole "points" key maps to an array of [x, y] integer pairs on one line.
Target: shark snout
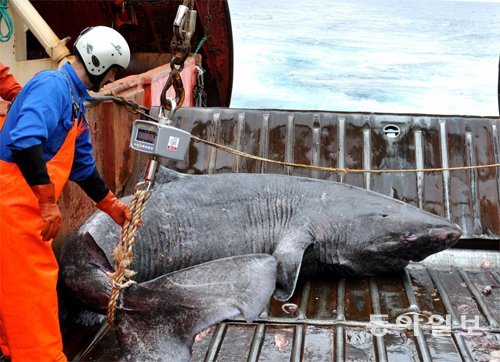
{"points": [[449, 237]]}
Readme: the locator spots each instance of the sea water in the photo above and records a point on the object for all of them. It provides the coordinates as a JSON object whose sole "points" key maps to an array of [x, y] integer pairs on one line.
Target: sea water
{"points": [[406, 56]]}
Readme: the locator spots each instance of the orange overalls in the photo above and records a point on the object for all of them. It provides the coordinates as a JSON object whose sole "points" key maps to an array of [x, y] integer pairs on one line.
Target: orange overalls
{"points": [[28, 267]]}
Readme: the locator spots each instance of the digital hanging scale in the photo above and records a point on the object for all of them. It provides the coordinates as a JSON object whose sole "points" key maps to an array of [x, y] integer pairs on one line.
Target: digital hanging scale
{"points": [[159, 139]]}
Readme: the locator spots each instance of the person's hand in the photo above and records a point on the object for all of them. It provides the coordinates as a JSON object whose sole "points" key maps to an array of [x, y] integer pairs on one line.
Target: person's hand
{"points": [[49, 211], [116, 209]]}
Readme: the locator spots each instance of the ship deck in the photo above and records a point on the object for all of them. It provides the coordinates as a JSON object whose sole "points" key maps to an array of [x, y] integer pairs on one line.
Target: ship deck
{"points": [[431, 311], [445, 308]]}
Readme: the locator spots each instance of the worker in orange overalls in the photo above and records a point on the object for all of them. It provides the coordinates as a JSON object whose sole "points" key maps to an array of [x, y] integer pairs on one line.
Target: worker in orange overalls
{"points": [[45, 141], [9, 87]]}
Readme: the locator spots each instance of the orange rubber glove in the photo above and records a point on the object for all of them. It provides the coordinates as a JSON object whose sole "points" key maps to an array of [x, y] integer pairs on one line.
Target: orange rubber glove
{"points": [[118, 211], [51, 215]]}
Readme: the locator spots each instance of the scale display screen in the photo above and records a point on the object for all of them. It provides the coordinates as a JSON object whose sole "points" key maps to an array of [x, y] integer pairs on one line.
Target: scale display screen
{"points": [[146, 136]]}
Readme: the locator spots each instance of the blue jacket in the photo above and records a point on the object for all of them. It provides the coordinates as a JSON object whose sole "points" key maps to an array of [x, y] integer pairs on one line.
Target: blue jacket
{"points": [[42, 113]]}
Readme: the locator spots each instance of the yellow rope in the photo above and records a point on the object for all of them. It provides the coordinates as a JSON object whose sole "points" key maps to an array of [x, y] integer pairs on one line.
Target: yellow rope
{"points": [[344, 170], [123, 252]]}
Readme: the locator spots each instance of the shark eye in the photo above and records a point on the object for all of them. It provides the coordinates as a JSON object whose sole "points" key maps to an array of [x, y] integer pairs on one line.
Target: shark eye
{"points": [[410, 237]]}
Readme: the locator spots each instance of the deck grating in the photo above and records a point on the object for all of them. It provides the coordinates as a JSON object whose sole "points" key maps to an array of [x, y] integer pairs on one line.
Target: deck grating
{"points": [[314, 333], [375, 298], [257, 341], [410, 293], [478, 298], [216, 342], [464, 351]]}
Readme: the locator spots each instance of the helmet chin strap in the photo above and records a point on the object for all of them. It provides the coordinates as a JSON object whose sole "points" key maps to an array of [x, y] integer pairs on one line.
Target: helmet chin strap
{"points": [[96, 81], [95, 87]]}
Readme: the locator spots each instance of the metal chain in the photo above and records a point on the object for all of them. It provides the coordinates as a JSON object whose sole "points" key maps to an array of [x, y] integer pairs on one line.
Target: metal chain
{"points": [[200, 96], [180, 46], [131, 105], [184, 25]]}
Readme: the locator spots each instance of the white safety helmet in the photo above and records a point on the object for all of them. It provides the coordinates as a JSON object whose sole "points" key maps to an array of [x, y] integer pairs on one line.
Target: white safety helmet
{"points": [[101, 48]]}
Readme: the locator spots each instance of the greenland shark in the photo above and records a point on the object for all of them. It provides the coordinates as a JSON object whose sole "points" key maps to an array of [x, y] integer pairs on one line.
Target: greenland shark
{"points": [[158, 319], [301, 223]]}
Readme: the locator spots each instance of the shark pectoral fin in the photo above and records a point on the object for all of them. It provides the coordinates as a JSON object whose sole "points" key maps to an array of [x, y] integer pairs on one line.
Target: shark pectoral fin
{"points": [[289, 253], [82, 271], [159, 319], [96, 255]]}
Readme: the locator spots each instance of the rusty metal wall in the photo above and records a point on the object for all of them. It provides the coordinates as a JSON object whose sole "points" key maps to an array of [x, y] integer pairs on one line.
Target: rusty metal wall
{"points": [[471, 198], [147, 26]]}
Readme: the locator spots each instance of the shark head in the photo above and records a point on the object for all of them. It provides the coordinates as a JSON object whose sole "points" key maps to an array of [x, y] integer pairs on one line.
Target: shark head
{"points": [[377, 234], [395, 233]]}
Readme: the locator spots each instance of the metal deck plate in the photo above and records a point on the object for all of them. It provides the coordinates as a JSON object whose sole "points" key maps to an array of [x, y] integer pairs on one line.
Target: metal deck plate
{"points": [[425, 313]]}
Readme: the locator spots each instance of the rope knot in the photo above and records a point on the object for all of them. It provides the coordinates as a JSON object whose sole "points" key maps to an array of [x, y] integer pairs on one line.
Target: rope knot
{"points": [[123, 254]]}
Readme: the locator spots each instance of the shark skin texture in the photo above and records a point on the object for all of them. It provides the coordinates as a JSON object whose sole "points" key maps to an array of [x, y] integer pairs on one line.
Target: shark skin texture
{"points": [[158, 320], [283, 224]]}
